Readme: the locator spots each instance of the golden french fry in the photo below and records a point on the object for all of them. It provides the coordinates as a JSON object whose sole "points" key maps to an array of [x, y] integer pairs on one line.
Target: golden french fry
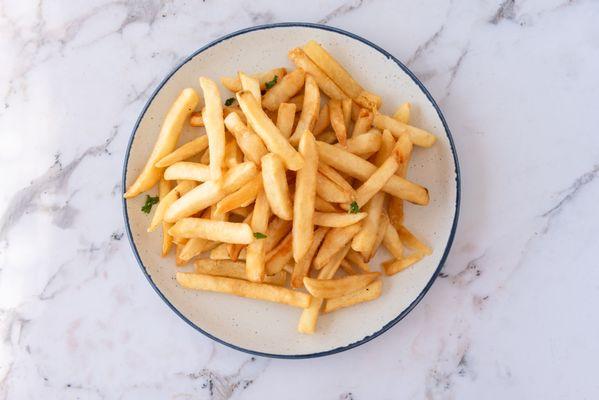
{"points": [[347, 267], [195, 247], [250, 84], [233, 269], [411, 241], [392, 242], [323, 121], [164, 187], [394, 266], [322, 205], [179, 262], [337, 121], [205, 159], [395, 211], [234, 84], [241, 211], [217, 231], [215, 127], [380, 236], [195, 119], [402, 114], [167, 200], [279, 256], [275, 185], [346, 108], [187, 170], [418, 136], [298, 101], [255, 255], [330, 288], [166, 141], [387, 145], [364, 240], [378, 179], [405, 152], [309, 110], [371, 292], [209, 193], [288, 87], [268, 132], [355, 111], [334, 241], [184, 152], [302, 267], [236, 250], [220, 252], [286, 118], [250, 144], [305, 193], [355, 166], [328, 137], [356, 258], [366, 143], [336, 219], [368, 100], [328, 87], [243, 197], [329, 191], [277, 230], [335, 177], [233, 154], [363, 123], [238, 287]]}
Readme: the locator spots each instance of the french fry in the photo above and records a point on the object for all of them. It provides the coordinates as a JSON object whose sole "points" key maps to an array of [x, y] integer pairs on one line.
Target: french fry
{"points": [[220, 252], [363, 123], [268, 132], [386, 149], [255, 255], [355, 111], [371, 292], [298, 100], [346, 266], [238, 287], [167, 200], [402, 114], [250, 84], [411, 241], [334, 241], [284, 90], [166, 141], [234, 84], [328, 137], [364, 240], [187, 170], [392, 242], [277, 230], [346, 108], [235, 250], [322, 205], [336, 219], [233, 269], [418, 136], [286, 118], [366, 143], [378, 179], [356, 258], [395, 211], [279, 256], [209, 193], [275, 185], [250, 144], [310, 110], [184, 152], [205, 159], [241, 211], [305, 193], [217, 231], [335, 177], [180, 241], [323, 121], [330, 288], [328, 87], [195, 119], [368, 100], [233, 154], [329, 191], [302, 267], [380, 236], [215, 127], [195, 246], [337, 121], [164, 187], [355, 166], [179, 262], [243, 197], [405, 152], [394, 266]]}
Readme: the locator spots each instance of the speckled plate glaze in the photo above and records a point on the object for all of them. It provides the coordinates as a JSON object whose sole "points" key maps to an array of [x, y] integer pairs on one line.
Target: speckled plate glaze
{"points": [[269, 329]]}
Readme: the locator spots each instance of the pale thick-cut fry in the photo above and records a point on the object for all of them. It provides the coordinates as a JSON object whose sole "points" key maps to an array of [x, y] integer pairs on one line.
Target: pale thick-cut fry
{"points": [[179, 262], [233, 269], [302, 267], [220, 252], [394, 266], [411, 241], [395, 211], [166, 141], [286, 118], [368, 100], [326, 84], [337, 121], [217, 231], [305, 193], [322, 205], [195, 119], [355, 166], [280, 256], [364, 240], [334, 241], [235, 250], [323, 121], [215, 127], [392, 242], [255, 258], [367, 143], [250, 84], [277, 230], [275, 185], [285, 89], [164, 187], [193, 247], [418, 136], [167, 200], [250, 144], [330, 288], [233, 154], [309, 110], [184, 152], [298, 101], [268, 132], [187, 170], [234, 84], [380, 236], [253, 290], [378, 179], [402, 114], [371, 292], [363, 123], [346, 108], [335, 177], [336, 219], [244, 196], [329, 191], [356, 258], [209, 193]]}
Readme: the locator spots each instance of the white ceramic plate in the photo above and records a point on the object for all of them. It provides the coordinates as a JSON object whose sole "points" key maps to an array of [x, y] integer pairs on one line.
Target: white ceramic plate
{"points": [[270, 329]]}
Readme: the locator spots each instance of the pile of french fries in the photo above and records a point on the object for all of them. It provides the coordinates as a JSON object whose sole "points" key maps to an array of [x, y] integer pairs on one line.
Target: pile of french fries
{"points": [[297, 182]]}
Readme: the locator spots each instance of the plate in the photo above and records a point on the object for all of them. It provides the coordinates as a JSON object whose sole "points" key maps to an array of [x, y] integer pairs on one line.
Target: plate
{"points": [[269, 329]]}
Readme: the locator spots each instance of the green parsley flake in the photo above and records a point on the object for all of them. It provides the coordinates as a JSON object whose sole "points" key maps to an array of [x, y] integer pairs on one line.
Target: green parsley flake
{"points": [[229, 101], [272, 83], [150, 201], [353, 208], [259, 235]]}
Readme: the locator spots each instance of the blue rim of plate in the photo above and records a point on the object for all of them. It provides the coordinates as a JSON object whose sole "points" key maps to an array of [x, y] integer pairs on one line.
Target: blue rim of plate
{"points": [[405, 312]]}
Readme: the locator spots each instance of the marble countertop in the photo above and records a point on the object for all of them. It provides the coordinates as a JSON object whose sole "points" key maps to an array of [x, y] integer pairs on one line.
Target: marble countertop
{"points": [[514, 312]]}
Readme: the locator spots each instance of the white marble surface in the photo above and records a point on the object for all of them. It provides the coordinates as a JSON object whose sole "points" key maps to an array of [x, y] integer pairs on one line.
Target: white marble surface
{"points": [[515, 314]]}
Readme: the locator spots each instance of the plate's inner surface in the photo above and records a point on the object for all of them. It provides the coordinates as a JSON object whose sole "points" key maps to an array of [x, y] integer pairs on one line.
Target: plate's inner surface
{"points": [[268, 327]]}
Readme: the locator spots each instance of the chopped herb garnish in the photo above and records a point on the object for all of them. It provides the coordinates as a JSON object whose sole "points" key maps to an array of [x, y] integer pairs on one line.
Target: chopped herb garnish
{"points": [[229, 101], [259, 235], [272, 83], [150, 201], [353, 208]]}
